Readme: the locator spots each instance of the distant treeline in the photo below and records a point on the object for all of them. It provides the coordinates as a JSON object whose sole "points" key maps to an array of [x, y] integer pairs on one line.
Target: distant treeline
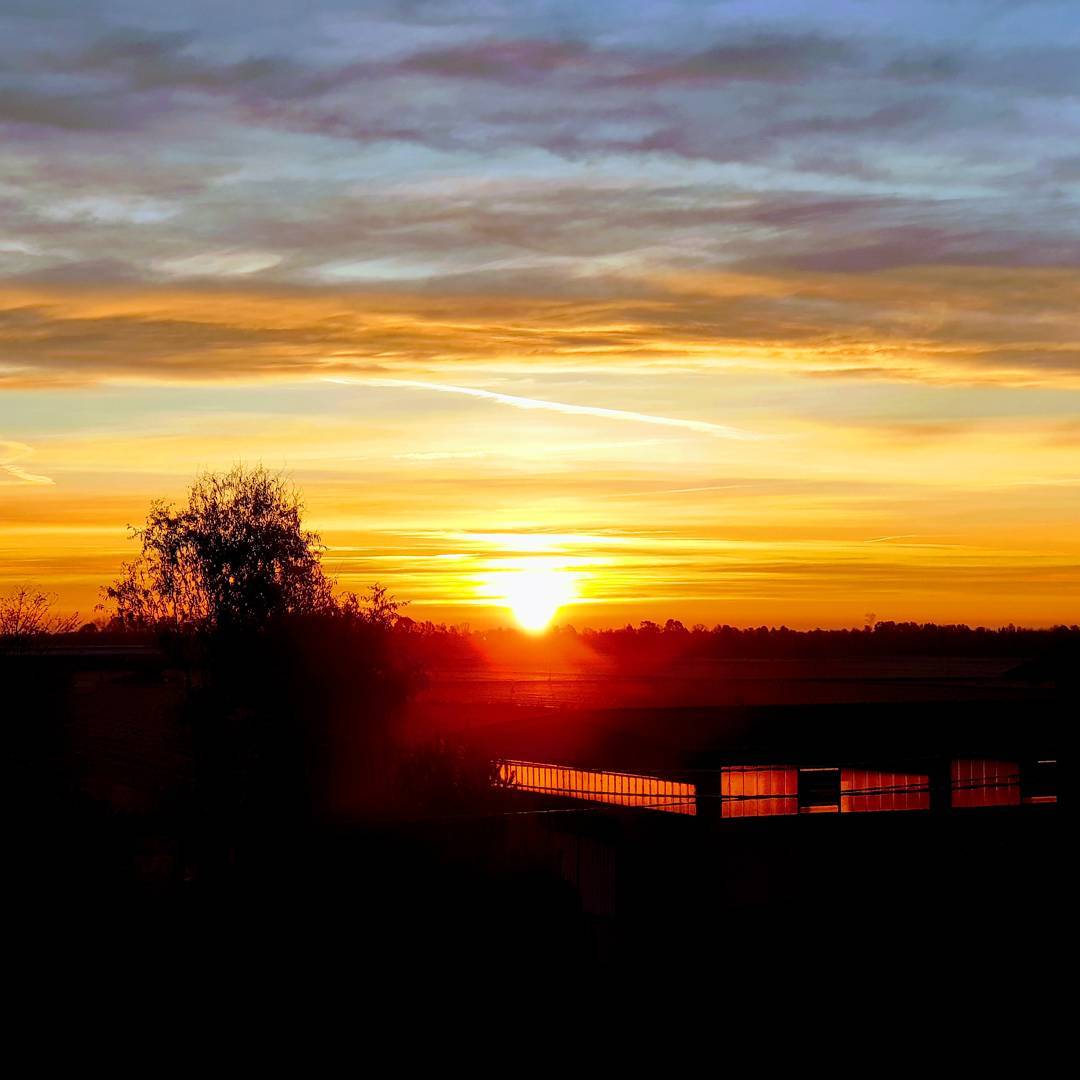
{"points": [[651, 641], [423, 643], [881, 639]]}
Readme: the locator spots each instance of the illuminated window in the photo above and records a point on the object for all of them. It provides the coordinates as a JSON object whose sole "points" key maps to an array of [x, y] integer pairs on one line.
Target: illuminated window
{"points": [[868, 790], [615, 788], [985, 782], [758, 791]]}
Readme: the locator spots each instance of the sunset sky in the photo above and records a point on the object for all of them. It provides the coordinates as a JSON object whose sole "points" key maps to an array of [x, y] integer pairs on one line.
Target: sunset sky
{"points": [[745, 312]]}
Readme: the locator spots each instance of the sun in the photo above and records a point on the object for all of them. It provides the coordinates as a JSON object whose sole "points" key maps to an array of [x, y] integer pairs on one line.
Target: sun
{"points": [[535, 594]]}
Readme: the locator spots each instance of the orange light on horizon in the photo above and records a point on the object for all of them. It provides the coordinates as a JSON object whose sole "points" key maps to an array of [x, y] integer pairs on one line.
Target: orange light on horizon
{"points": [[532, 589]]}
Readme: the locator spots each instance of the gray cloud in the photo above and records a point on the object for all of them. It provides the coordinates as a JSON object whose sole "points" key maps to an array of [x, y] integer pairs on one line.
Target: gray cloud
{"points": [[563, 94], [762, 57], [499, 61], [1046, 69], [68, 112], [533, 154]]}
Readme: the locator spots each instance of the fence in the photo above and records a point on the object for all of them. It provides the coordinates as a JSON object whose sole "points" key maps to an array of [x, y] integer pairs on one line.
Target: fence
{"points": [[603, 786], [779, 790]]}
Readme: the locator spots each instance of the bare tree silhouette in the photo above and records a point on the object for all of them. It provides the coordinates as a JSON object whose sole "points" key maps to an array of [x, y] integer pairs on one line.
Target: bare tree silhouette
{"points": [[26, 615]]}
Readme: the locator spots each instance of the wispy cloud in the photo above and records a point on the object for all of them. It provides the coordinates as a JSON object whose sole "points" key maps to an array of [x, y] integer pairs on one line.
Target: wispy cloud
{"points": [[10, 454], [645, 494], [1002, 325], [515, 401]]}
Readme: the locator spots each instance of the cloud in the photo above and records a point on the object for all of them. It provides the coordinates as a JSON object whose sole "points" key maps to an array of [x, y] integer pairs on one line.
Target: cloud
{"points": [[494, 216], [22, 476], [702, 426], [10, 454], [68, 112], [762, 57], [148, 61], [1046, 69], [936, 324], [439, 81], [575, 232], [500, 61]]}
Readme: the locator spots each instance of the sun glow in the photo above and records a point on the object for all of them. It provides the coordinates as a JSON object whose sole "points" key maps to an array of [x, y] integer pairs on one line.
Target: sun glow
{"points": [[534, 594]]}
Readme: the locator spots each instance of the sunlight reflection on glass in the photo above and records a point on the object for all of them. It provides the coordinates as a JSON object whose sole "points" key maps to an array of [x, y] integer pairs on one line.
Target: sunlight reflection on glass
{"points": [[615, 788]]}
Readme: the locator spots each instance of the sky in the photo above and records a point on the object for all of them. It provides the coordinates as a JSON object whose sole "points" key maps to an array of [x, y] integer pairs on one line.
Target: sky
{"points": [[727, 312]]}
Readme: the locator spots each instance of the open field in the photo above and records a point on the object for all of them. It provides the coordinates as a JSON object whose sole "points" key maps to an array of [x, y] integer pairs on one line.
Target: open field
{"points": [[731, 682]]}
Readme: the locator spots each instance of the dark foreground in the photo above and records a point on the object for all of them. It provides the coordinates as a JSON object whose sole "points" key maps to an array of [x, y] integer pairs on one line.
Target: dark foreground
{"points": [[127, 855]]}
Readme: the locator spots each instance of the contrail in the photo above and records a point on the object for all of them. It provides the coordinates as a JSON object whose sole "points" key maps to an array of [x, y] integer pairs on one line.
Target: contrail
{"points": [[674, 491], [14, 451], [704, 426], [23, 476]]}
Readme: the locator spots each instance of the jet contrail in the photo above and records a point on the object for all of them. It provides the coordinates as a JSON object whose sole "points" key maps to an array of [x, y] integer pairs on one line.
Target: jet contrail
{"points": [[23, 476], [13, 451], [674, 491], [704, 426]]}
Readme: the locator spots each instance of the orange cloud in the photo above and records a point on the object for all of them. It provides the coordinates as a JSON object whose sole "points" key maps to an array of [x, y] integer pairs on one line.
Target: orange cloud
{"points": [[961, 325]]}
